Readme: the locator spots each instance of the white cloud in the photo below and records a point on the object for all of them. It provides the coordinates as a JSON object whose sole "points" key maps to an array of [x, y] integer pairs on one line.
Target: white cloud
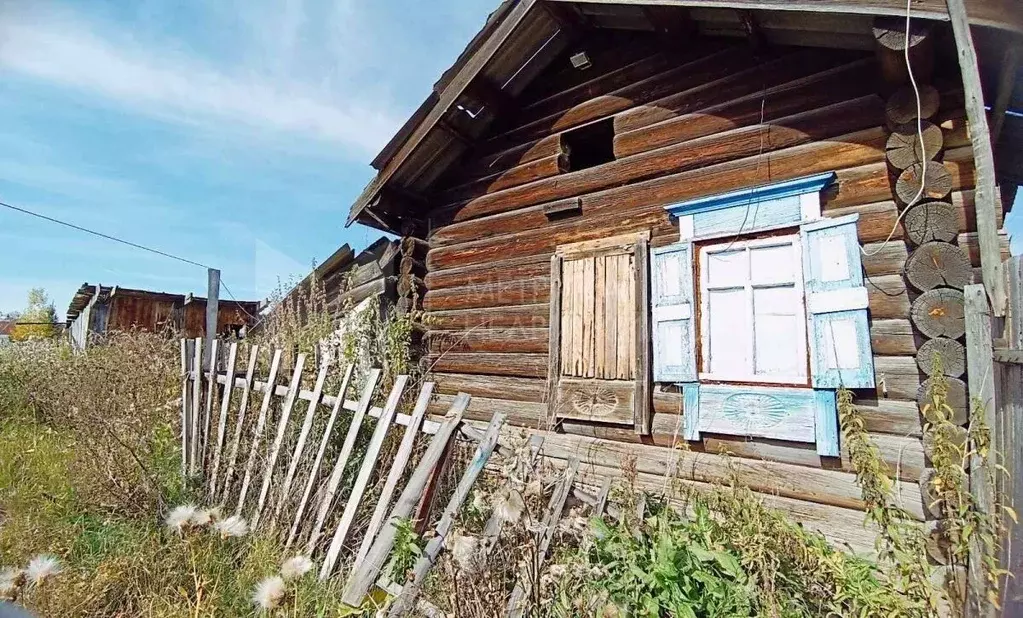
{"points": [[62, 49]]}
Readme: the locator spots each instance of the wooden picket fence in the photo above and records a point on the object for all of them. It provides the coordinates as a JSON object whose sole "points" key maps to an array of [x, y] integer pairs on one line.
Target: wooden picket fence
{"points": [[234, 429]]}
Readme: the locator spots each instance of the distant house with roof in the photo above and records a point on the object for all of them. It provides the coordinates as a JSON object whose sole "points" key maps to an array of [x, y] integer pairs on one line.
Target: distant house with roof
{"points": [[6, 326]]}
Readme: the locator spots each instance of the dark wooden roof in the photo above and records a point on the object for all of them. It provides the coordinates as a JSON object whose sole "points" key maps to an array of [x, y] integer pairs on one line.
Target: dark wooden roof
{"points": [[87, 291], [522, 37]]}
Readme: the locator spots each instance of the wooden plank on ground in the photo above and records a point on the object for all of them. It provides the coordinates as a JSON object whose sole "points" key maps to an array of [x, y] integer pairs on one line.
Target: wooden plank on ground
{"points": [[550, 524], [401, 459], [334, 482], [193, 458], [403, 604], [359, 584], [303, 437], [282, 429], [369, 462], [225, 404], [257, 433], [239, 426], [318, 461]]}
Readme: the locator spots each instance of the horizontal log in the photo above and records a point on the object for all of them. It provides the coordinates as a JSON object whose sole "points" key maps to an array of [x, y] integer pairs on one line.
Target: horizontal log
{"points": [[519, 413], [708, 110], [640, 204], [887, 297], [893, 257], [877, 220], [524, 316], [487, 363], [353, 297], [519, 175], [496, 162], [698, 67], [515, 340], [491, 387], [897, 377], [802, 128], [894, 338], [834, 487], [492, 272], [503, 294]]}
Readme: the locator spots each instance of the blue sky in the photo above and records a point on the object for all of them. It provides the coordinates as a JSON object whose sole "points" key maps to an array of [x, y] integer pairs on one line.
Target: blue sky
{"points": [[233, 133]]}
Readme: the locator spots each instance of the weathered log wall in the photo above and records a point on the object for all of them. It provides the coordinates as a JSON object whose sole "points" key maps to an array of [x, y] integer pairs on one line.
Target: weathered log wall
{"points": [[686, 124]]}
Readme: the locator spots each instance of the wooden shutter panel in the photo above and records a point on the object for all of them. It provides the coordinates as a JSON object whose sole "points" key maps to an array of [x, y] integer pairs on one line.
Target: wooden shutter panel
{"points": [[672, 301], [598, 351], [836, 303]]}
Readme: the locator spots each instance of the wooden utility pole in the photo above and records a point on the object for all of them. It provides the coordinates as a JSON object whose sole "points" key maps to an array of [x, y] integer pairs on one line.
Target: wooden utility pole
{"points": [[986, 194], [212, 309]]}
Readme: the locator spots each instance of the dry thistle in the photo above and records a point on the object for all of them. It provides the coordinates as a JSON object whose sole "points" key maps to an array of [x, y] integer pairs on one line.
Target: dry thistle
{"points": [[269, 593], [233, 526], [508, 505], [41, 568], [181, 517], [11, 581], [296, 567]]}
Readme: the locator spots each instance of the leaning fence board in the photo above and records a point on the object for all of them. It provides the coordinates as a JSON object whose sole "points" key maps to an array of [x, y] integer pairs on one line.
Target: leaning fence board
{"points": [[361, 580], [257, 435], [397, 470], [196, 405], [342, 460], [282, 428], [239, 426], [404, 603], [550, 523], [211, 389], [318, 461], [601, 505], [225, 405], [184, 407], [369, 462], [303, 436]]}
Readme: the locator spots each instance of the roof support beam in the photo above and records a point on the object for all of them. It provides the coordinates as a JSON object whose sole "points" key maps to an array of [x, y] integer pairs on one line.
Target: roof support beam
{"points": [[985, 194], [484, 91], [1006, 83], [754, 34]]}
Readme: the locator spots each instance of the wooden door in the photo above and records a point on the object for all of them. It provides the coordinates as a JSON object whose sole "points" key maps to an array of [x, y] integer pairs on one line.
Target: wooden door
{"points": [[599, 343]]}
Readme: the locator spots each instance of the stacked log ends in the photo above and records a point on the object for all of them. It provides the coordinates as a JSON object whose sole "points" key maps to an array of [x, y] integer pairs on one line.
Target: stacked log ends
{"points": [[891, 43], [904, 146], [938, 264], [936, 179], [929, 221], [938, 544], [939, 313], [951, 352], [901, 108], [956, 400]]}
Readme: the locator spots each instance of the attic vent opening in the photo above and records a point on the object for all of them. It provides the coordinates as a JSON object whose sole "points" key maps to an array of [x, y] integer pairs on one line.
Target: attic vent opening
{"points": [[591, 145]]}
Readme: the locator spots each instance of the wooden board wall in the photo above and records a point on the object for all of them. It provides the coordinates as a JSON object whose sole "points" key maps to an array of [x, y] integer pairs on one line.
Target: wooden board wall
{"points": [[687, 124]]}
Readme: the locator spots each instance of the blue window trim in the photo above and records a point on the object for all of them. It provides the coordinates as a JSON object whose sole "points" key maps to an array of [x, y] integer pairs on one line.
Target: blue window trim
{"points": [[788, 188]]}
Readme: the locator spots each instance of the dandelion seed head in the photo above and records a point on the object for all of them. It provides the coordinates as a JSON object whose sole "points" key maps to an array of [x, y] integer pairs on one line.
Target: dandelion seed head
{"points": [[180, 517], [296, 567], [558, 570], [463, 549], [509, 506], [42, 567], [233, 526], [534, 488], [479, 502], [269, 593]]}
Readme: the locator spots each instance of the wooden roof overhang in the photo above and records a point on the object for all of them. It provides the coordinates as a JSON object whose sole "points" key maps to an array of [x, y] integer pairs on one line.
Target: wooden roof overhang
{"points": [[522, 37]]}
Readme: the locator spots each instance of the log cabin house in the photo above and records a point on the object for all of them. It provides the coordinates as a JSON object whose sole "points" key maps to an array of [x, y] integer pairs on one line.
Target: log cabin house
{"points": [[640, 222]]}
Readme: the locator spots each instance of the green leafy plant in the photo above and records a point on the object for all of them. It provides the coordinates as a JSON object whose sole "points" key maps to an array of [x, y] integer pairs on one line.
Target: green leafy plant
{"points": [[408, 547]]}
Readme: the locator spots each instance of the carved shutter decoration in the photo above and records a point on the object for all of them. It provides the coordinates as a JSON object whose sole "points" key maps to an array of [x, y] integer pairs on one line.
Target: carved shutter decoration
{"points": [[672, 314], [836, 302], [599, 363]]}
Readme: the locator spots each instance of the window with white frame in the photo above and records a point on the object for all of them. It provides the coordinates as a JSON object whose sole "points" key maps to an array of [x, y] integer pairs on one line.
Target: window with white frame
{"points": [[752, 312]]}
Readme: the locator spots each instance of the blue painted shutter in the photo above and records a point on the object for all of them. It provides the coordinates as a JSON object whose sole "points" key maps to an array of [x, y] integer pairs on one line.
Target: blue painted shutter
{"points": [[672, 312], [836, 305]]}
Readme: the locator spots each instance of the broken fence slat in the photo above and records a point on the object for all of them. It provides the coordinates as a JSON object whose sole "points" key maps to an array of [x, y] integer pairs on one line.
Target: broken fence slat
{"points": [[225, 405], [397, 470], [184, 408], [318, 461], [404, 603], [369, 462], [257, 435], [342, 460], [605, 491], [196, 405], [232, 457], [211, 389], [551, 518], [275, 449], [361, 580], [303, 436]]}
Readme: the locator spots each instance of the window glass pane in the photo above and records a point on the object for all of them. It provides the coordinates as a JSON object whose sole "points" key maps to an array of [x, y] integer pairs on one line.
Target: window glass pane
{"points": [[727, 268], [773, 264], [729, 332], [779, 332]]}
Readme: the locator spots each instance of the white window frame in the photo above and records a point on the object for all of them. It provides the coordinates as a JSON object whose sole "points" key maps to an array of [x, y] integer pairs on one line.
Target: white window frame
{"points": [[798, 289]]}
